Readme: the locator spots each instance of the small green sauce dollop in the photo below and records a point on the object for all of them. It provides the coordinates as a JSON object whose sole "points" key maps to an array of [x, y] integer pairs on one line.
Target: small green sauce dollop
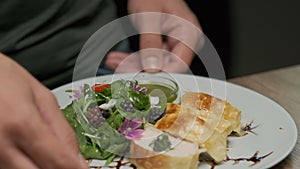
{"points": [[170, 94]]}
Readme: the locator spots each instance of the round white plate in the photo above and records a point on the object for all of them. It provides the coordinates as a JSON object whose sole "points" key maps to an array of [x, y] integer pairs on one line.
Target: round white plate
{"points": [[276, 131]]}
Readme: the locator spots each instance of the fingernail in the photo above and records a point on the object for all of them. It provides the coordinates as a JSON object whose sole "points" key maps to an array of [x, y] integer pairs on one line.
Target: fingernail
{"points": [[152, 63], [83, 162]]}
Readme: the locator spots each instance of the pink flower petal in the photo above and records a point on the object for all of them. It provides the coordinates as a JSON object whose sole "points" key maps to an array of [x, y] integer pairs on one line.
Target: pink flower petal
{"points": [[129, 128], [135, 124], [143, 90], [136, 134], [76, 94], [125, 125]]}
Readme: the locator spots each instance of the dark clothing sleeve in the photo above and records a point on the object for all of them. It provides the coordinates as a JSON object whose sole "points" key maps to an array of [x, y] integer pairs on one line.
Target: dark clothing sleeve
{"points": [[46, 36]]}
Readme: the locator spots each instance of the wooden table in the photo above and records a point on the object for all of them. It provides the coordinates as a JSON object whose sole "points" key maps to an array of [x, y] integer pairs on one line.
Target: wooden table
{"points": [[283, 86]]}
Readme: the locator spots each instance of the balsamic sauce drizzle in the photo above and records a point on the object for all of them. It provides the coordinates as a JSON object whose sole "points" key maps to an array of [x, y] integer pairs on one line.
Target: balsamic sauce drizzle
{"points": [[249, 128], [119, 163], [254, 158]]}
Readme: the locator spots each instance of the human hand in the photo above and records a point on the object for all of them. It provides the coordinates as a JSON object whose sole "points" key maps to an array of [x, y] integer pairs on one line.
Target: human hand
{"points": [[123, 62], [33, 131], [183, 34]]}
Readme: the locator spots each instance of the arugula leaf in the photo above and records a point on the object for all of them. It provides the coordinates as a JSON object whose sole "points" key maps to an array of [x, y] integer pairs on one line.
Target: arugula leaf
{"points": [[115, 120], [104, 142], [104, 96], [87, 147], [119, 89], [140, 100]]}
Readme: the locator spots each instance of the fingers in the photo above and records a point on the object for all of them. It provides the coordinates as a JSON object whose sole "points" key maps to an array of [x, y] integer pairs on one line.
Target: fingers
{"points": [[123, 62], [138, 6], [184, 53], [174, 19], [32, 141], [179, 60], [113, 59], [53, 117], [41, 145], [130, 64], [34, 138], [14, 158], [50, 113], [149, 27], [151, 56]]}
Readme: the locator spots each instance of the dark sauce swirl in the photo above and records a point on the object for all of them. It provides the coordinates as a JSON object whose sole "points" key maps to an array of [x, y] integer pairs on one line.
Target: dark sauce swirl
{"points": [[249, 127], [254, 159], [119, 163]]}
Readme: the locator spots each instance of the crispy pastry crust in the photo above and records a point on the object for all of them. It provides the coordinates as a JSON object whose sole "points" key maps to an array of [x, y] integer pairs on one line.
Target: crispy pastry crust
{"points": [[197, 120]]}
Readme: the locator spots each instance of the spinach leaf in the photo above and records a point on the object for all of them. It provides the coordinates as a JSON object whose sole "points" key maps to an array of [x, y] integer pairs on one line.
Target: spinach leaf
{"points": [[104, 142], [88, 148]]}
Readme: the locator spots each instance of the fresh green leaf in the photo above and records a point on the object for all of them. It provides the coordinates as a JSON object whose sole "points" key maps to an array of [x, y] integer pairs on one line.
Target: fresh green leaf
{"points": [[140, 100]]}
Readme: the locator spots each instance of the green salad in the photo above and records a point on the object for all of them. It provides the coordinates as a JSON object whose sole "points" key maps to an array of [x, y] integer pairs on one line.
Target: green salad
{"points": [[106, 117]]}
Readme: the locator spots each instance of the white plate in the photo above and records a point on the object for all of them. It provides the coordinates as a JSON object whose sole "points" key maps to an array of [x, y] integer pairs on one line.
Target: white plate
{"points": [[276, 133]]}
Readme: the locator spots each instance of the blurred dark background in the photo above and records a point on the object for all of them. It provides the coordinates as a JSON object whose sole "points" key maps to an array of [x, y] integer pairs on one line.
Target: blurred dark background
{"points": [[250, 36], [264, 35]]}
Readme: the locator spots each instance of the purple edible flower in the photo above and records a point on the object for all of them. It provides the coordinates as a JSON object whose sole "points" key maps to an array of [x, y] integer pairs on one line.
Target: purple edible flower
{"points": [[76, 94], [137, 87], [130, 129]]}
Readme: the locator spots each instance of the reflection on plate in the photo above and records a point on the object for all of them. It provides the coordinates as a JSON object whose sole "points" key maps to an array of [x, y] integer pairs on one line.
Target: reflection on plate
{"points": [[276, 133]]}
